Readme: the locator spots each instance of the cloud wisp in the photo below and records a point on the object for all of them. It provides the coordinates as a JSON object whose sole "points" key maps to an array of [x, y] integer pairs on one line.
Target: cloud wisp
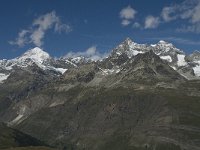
{"points": [[127, 15], [36, 32], [151, 22], [176, 39], [90, 53], [189, 11]]}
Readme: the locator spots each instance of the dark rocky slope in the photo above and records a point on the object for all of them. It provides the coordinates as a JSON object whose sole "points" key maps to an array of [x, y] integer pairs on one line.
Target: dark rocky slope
{"points": [[10, 138]]}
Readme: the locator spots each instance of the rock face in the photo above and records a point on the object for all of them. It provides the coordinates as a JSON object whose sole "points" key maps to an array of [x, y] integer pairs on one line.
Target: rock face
{"points": [[149, 67], [139, 97]]}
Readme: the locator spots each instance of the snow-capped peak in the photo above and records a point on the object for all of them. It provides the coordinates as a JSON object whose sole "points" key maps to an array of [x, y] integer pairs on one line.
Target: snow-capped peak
{"points": [[165, 44], [129, 48], [165, 47], [36, 54], [162, 42]]}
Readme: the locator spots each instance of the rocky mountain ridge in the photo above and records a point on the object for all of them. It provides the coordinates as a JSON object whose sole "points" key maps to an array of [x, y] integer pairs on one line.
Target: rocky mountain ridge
{"points": [[139, 97], [188, 66]]}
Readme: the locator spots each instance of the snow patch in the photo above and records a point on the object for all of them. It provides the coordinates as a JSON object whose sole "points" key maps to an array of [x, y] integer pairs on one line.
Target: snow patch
{"points": [[118, 53], [197, 69], [173, 67], [153, 45], [3, 77], [181, 60], [109, 71], [61, 70], [76, 60], [168, 58], [134, 52], [67, 61]]}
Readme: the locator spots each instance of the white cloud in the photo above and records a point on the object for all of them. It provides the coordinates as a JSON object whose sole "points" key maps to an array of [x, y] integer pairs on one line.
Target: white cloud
{"points": [[125, 22], [36, 32], [60, 27], [151, 22], [90, 53], [127, 14], [195, 28], [176, 40], [21, 40]]}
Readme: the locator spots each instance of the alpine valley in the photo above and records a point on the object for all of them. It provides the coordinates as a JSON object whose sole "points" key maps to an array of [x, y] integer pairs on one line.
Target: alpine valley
{"points": [[139, 97]]}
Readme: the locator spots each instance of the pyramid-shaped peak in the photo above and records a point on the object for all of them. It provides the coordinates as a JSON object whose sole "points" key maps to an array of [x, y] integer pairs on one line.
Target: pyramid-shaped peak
{"points": [[36, 54]]}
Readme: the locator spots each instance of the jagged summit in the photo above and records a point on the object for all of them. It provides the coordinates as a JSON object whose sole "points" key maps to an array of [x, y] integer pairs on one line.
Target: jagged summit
{"points": [[128, 41]]}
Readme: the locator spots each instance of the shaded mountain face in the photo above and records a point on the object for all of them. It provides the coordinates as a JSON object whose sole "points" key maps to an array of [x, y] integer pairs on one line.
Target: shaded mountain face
{"points": [[149, 67], [119, 118], [139, 97], [10, 138]]}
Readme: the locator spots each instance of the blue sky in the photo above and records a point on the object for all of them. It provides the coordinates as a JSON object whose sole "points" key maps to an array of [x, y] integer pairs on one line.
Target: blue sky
{"points": [[64, 26]]}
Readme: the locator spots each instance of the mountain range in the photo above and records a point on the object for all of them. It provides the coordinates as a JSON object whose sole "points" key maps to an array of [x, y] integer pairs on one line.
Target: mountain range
{"points": [[186, 65], [138, 97]]}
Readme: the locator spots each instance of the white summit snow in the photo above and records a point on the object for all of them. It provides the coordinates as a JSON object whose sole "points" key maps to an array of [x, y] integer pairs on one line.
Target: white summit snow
{"points": [[130, 48], [164, 45], [36, 54]]}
